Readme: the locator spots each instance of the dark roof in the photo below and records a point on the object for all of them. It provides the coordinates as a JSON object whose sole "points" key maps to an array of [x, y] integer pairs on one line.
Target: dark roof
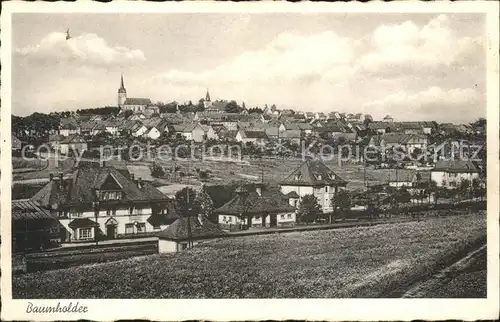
{"points": [[74, 138], [459, 166], [293, 194], [16, 143], [256, 134], [81, 223], [200, 229], [26, 209], [137, 101], [313, 173], [80, 188], [252, 203], [164, 219]]}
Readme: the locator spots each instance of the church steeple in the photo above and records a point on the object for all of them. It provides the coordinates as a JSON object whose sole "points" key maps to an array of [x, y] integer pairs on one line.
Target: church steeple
{"points": [[207, 97], [122, 93], [122, 87]]}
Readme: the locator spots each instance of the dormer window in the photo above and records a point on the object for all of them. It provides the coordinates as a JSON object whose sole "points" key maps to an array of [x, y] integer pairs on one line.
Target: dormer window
{"points": [[298, 177], [318, 176], [331, 175]]}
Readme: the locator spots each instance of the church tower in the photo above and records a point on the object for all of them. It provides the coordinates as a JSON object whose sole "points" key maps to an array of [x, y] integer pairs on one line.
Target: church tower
{"points": [[207, 101], [122, 94]]}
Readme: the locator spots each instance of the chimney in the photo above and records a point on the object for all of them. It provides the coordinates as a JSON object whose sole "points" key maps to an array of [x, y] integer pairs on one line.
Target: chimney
{"points": [[132, 177], [103, 163], [259, 191], [139, 182], [51, 176]]}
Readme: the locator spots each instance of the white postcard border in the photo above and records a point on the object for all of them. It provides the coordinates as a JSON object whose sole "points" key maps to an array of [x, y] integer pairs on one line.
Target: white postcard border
{"points": [[253, 309]]}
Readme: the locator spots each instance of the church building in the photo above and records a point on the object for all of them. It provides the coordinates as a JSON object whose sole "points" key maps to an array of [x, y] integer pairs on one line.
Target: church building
{"points": [[136, 105]]}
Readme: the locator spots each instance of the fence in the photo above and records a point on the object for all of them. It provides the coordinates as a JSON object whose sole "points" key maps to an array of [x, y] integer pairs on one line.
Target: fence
{"points": [[81, 255]]}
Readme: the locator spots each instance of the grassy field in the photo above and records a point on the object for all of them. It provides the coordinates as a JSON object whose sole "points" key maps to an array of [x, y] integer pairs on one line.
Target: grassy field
{"points": [[273, 171], [345, 263]]}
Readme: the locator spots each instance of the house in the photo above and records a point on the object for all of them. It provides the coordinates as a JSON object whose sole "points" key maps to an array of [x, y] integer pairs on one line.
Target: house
{"points": [[399, 178], [255, 137], [16, 143], [33, 227], [210, 133], [137, 117], [320, 116], [408, 142], [184, 230], [73, 143], [155, 127], [382, 127], [55, 141], [314, 177], [388, 118], [450, 173], [293, 136], [137, 129], [258, 207], [136, 104], [305, 128], [112, 125], [226, 135], [68, 126], [103, 200], [194, 132], [309, 115]]}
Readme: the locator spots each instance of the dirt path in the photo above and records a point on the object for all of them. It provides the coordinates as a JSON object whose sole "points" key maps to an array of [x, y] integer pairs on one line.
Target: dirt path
{"points": [[455, 279]]}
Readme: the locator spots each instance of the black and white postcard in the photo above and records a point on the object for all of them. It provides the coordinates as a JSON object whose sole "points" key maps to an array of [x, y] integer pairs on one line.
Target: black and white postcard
{"points": [[249, 161]]}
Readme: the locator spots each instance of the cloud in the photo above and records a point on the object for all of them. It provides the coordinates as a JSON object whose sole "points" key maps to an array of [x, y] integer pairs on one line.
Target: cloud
{"points": [[406, 47], [87, 49], [290, 57], [434, 103]]}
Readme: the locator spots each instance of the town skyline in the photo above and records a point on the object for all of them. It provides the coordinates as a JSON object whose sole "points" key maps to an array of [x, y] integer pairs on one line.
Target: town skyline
{"points": [[394, 64]]}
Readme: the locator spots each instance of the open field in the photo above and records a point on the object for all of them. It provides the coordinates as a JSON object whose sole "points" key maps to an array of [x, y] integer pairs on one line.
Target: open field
{"points": [[273, 171], [356, 262]]}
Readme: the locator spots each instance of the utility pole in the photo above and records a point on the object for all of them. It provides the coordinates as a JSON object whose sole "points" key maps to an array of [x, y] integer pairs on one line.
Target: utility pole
{"points": [[188, 213]]}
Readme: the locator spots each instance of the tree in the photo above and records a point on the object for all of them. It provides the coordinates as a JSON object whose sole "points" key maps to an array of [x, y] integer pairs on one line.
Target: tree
{"points": [[464, 187], [127, 113], [206, 204], [341, 200], [403, 196], [186, 202], [309, 209], [255, 110], [232, 107], [157, 170]]}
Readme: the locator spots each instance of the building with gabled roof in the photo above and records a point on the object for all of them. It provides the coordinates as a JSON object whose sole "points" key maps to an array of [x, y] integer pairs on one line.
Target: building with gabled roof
{"points": [[184, 230], [450, 173], [73, 143], [256, 206], [103, 200], [313, 177]]}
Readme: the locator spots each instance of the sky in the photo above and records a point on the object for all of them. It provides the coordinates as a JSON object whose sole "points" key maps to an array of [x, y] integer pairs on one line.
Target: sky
{"points": [[411, 66]]}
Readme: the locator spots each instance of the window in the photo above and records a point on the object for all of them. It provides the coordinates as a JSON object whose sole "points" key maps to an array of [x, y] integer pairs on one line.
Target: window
{"points": [[282, 216], [108, 212], [141, 227], [131, 210], [326, 189], [295, 202], [230, 219], [289, 216], [129, 228], [85, 233], [113, 211]]}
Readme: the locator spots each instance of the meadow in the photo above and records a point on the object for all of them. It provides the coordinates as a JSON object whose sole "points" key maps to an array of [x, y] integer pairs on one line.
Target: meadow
{"points": [[345, 263]]}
